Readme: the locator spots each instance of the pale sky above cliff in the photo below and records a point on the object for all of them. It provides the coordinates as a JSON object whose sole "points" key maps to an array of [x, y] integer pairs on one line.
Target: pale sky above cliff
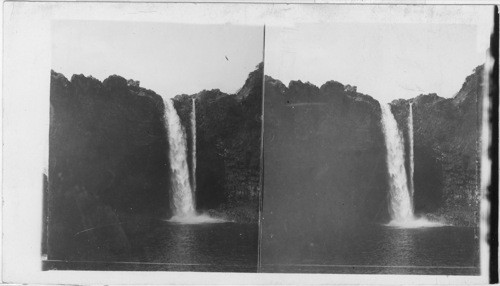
{"points": [[376, 51], [168, 58], [386, 61]]}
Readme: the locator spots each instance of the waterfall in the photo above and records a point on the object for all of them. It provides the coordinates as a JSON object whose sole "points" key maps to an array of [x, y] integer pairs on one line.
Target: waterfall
{"points": [[182, 195], [193, 152], [401, 191], [412, 164], [401, 208]]}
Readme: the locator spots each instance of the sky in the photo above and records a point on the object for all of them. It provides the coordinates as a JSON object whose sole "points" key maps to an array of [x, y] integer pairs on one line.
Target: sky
{"points": [[385, 60], [168, 58]]}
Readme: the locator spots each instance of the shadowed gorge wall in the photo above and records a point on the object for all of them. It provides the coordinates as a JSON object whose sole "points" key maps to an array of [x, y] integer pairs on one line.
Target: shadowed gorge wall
{"points": [[108, 159]]}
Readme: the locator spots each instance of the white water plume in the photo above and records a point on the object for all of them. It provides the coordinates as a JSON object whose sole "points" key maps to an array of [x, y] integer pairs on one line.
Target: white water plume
{"points": [[401, 208], [412, 166], [182, 196], [415, 222], [401, 202], [193, 152]]}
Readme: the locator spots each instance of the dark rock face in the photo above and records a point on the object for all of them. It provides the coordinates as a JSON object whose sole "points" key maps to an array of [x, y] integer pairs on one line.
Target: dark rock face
{"points": [[228, 141], [446, 140], [324, 163], [108, 158]]}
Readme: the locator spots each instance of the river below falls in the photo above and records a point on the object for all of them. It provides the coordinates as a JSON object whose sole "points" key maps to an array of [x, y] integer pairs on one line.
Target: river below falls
{"points": [[234, 247], [379, 249], [200, 247]]}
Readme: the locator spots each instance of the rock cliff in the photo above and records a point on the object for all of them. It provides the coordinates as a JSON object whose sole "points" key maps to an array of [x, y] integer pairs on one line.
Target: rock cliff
{"points": [[107, 160]]}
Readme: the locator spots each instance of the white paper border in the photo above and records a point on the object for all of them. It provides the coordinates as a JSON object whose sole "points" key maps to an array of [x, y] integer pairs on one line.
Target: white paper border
{"points": [[26, 79]]}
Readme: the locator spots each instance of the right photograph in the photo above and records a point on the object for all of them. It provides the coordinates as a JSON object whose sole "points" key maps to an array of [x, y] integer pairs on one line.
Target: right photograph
{"points": [[372, 148]]}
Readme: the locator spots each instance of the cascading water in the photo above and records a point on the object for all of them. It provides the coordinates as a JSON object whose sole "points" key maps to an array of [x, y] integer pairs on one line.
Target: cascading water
{"points": [[400, 206], [183, 197], [193, 148], [412, 166]]}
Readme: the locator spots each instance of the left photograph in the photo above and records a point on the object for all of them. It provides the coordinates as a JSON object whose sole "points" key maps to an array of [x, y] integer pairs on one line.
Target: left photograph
{"points": [[154, 147]]}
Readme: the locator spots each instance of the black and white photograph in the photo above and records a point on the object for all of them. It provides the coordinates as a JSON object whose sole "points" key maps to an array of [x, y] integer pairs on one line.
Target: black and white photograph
{"points": [[243, 142], [372, 136], [154, 147]]}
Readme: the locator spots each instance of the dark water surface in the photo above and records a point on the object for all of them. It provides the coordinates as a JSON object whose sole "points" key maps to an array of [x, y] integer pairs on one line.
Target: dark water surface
{"points": [[380, 249], [183, 247], [233, 247], [209, 246]]}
